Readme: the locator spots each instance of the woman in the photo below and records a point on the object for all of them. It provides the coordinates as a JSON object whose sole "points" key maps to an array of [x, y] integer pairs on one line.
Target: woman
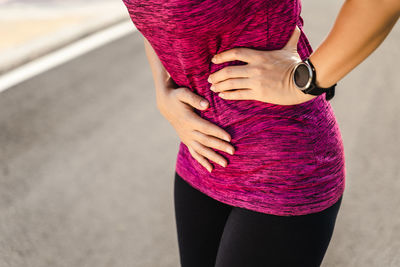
{"points": [[274, 194]]}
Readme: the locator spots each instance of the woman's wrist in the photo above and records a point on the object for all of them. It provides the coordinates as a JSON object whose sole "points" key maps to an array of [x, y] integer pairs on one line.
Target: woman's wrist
{"points": [[164, 86], [320, 79], [163, 89]]}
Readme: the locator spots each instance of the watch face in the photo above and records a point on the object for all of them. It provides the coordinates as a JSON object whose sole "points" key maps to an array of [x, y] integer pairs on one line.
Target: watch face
{"points": [[301, 75]]}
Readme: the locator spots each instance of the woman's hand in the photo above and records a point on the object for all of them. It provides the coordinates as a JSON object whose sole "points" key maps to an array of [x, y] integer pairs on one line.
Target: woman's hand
{"points": [[198, 134], [267, 77]]}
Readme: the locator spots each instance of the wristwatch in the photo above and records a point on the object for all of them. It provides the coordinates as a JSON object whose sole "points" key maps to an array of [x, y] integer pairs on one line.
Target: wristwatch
{"points": [[304, 76]]}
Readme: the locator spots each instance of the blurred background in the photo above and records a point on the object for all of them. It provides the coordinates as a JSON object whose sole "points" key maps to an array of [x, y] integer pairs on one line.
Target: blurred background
{"points": [[86, 177]]}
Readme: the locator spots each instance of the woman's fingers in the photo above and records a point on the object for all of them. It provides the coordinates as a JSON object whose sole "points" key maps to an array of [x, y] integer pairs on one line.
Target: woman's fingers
{"points": [[230, 84], [202, 160], [185, 95], [208, 153], [211, 141], [240, 94], [198, 134], [206, 127], [229, 72]]}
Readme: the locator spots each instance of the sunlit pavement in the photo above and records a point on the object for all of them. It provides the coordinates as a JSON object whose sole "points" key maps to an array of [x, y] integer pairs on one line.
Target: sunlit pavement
{"points": [[31, 28], [87, 161]]}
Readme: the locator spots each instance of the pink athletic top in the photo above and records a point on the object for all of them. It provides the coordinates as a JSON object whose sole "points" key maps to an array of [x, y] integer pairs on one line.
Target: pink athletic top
{"points": [[289, 159]]}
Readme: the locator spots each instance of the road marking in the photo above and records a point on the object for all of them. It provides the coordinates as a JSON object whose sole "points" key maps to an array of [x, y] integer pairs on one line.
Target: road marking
{"points": [[65, 54]]}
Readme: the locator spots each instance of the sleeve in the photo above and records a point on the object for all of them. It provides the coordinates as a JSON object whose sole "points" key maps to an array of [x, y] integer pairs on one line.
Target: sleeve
{"points": [[142, 15]]}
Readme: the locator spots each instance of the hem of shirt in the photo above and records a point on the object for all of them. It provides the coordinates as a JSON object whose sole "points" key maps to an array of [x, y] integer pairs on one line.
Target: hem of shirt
{"points": [[182, 172]]}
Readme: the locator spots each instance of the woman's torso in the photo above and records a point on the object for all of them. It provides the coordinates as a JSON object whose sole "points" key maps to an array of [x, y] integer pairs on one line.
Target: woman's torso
{"points": [[277, 167]]}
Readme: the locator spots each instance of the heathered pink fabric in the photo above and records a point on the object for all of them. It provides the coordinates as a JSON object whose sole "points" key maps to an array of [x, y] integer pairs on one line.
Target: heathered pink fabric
{"points": [[289, 159]]}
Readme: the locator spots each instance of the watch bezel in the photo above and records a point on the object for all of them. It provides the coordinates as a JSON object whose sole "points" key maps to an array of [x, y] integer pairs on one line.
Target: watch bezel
{"points": [[310, 76]]}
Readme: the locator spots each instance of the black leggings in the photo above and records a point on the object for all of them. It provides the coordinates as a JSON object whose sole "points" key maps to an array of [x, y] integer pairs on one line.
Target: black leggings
{"points": [[214, 234]]}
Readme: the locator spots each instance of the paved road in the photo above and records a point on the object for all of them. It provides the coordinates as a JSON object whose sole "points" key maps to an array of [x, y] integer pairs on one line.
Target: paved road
{"points": [[87, 161], [33, 28]]}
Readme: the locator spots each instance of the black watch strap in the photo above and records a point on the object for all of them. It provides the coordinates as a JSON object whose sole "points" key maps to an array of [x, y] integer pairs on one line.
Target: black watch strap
{"points": [[313, 89]]}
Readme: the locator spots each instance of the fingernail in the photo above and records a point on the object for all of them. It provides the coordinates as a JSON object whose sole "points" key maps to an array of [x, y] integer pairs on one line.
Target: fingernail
{"points": [[212, 87], [203, 103], [209, 169], [230, 150], [222, 163], [226, 138], [209, 79], [214, 59]]}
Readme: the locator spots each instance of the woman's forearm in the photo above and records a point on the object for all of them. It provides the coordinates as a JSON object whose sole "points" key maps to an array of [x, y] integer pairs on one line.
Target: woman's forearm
{"points": [[360, 27], [160, 74]]}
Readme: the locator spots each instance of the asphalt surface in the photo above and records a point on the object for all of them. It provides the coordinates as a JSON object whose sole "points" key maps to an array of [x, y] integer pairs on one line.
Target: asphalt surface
{"points": [[87, 161], [32, 28]]}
